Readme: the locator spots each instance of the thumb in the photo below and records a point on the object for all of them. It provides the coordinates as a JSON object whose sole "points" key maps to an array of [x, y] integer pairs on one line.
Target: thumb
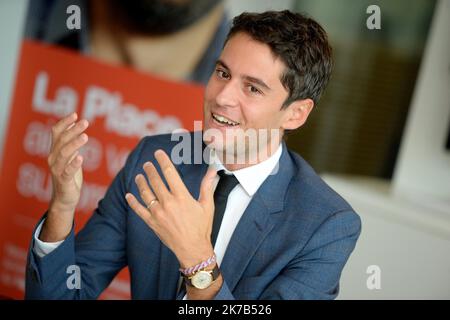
{"points": [[206, 197]]}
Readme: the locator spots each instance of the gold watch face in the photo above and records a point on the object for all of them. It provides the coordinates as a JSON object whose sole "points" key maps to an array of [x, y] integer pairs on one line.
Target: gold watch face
{"points": [[202, 280]]}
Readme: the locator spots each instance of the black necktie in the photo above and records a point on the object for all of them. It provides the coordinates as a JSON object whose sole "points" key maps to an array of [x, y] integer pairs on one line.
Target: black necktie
{"points": [[226, 183]]}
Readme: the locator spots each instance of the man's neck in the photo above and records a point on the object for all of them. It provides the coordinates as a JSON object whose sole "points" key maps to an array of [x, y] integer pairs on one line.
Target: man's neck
{"points": [[173, 56], [233, 162]]}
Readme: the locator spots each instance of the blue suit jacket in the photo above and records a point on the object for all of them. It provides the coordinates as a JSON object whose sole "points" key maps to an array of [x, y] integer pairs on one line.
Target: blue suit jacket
{"points": [[292, 241]]}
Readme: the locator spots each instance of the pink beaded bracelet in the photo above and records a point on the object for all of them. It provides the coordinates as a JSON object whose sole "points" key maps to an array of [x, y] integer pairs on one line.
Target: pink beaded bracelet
{"points": [[201, 265]]}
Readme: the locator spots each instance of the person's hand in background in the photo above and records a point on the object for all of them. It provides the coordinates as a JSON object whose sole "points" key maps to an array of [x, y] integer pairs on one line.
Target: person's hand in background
{"points": [[65, 164]]}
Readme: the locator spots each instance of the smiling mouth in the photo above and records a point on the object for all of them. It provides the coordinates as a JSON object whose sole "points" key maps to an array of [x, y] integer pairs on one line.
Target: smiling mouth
{"points": [[224, 121]]}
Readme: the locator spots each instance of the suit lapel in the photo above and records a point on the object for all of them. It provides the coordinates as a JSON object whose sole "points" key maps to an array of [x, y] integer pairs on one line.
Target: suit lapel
{"points": [[248, 235], [256, 223]]}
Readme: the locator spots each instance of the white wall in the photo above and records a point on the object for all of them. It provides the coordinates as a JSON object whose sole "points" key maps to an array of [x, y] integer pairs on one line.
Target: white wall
{"points": [[12, 20], [409, 243], [423, 168]]}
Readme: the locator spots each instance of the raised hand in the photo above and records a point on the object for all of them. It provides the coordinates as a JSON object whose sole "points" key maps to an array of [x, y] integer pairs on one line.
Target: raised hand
{"points": [[181, 222], [65, 164]]}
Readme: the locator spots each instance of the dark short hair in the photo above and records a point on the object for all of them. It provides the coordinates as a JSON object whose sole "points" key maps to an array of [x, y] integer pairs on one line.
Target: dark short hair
{"points": [[299, 41]]}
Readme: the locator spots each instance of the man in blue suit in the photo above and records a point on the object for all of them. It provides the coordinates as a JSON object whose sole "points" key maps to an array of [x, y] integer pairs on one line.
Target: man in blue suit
{"points": [[266, 227]]}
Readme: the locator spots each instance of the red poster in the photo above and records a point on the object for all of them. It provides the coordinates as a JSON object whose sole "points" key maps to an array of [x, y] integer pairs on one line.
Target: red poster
{"points": [[121, 106]]}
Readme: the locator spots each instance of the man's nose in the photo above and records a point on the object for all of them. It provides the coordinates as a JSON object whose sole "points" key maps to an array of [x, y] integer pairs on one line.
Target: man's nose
{"points": [[228, 95]]}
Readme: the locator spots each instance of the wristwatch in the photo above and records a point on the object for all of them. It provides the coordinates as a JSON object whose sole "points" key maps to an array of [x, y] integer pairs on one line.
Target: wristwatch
{"points": [[202, 279]]}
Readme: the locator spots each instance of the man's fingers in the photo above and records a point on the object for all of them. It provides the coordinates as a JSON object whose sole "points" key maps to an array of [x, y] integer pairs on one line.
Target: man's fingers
{"points": [[69, 134], [138, 208], [63, 124], [66, 154], [158, 186], [206, 188], [72, 167], [144, 190], [176, 185]]}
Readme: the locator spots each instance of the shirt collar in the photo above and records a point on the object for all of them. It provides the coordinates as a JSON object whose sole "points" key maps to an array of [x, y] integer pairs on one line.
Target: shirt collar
{"points": [[250, 178]]}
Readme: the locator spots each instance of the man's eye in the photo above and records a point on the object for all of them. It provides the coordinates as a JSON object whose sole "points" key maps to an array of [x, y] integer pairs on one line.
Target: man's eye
{"points": [[222, 74], [254, 89]]}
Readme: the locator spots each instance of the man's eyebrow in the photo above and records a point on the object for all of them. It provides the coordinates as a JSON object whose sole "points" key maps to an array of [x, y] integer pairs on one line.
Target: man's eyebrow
{"points": [[257, 81], [248, 78], [222, 64]]}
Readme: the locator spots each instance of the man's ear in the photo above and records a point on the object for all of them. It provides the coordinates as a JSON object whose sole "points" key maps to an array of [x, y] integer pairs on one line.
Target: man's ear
{"points": [[297, 113]]}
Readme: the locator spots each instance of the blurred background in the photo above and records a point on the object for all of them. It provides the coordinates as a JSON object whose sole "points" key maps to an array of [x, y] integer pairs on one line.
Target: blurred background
{"points": [[380, 135]]}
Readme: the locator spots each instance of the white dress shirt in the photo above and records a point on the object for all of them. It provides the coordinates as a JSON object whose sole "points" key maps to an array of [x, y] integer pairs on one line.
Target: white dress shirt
{"points": [[250, 179], [42, 248]]}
